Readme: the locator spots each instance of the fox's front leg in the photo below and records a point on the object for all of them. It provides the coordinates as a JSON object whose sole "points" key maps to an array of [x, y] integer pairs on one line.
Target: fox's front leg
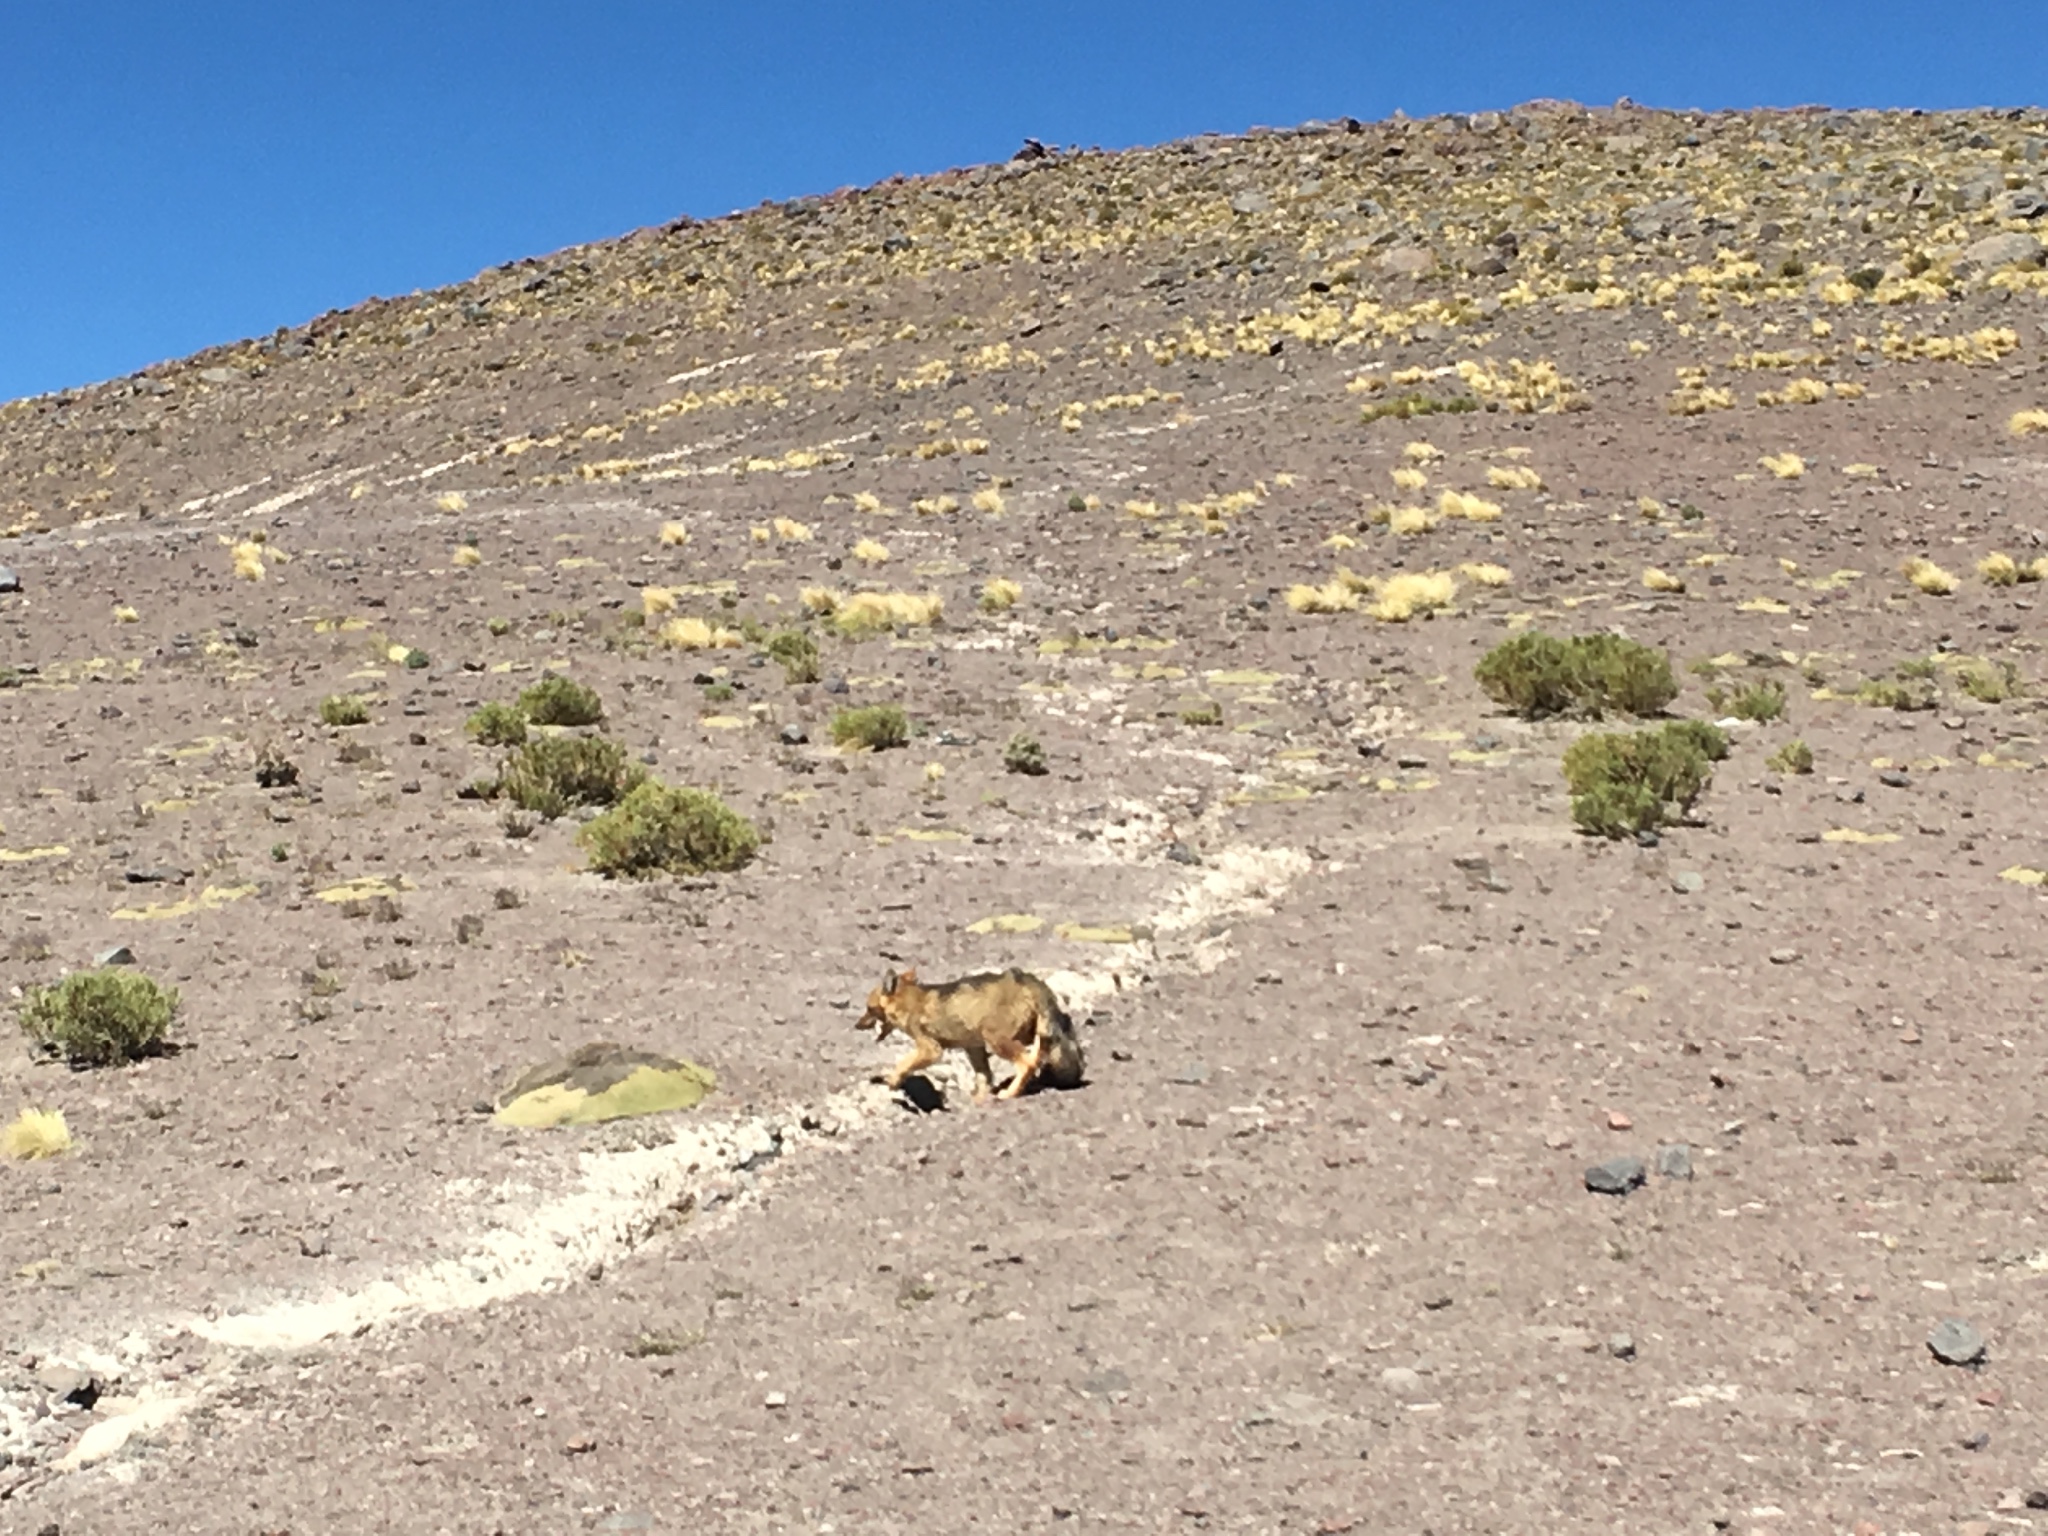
{"points": [[984, 1079], [1026, 1069], [924, 1054]]}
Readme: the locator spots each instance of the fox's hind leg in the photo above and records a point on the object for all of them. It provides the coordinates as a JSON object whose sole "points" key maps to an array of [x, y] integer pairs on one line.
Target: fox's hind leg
{"points": [[1026, 1064], [924, 1054], [984, 1080]]}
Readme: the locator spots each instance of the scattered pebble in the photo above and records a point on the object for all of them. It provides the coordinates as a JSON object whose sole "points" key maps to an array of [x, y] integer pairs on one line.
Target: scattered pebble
{"points": [[1688, 882], [1895, 780], [120, 954], [1616, 1176], [794, 736], [1621, 1346], [1674, 1162], [1617, 1120], [1784, 956], [9, 582]]}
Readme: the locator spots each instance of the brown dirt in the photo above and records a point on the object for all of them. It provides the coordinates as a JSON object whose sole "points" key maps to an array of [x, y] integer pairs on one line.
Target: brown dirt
{"points": [[1311, 1250]]}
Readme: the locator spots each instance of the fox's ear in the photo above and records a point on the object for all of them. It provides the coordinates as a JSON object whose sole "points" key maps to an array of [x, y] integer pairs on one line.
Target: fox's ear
{"points": [[889, 984]]}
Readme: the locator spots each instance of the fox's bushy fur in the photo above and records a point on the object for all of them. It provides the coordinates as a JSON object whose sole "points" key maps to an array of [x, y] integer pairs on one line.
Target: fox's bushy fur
{"points": [[1011, 1014]]}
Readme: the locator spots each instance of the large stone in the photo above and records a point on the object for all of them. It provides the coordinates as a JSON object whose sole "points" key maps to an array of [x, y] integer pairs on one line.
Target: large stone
{"points": [[1996, 251], [601, 1081], [1616, 1176], [1955, 1342], [1408, 261]]}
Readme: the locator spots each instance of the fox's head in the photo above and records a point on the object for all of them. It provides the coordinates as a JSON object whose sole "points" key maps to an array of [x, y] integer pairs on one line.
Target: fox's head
{"points": [[885, 1001]]}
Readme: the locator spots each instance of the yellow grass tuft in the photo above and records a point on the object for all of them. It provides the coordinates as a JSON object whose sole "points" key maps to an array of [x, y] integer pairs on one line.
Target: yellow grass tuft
{"points": [[1861, 471], [989, 500], [870, 613], [871, 552], [760, 535], [2000, 569], [674, 535], [999, 594], [1473, 509], [1412, 594], [820, 600], [1785, 466], [1662, 581], [694, 634], [1928, 577], [794, 532], [1483, 574], [451, 501], [1340, 541], [1406, 520], [123, 614], [655, 601], [1514, 477], [1330, 597], [2027, 423], [465, 556], [867, 501], [248, 559], [36, 1133], [935, 506], [1410, 479], [1422, 453]]}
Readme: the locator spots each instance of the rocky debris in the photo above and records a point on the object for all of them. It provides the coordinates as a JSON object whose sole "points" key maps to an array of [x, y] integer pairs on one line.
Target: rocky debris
{"points": [[1996, 251], [1674, 1161], [9, 581], [1955, 1342], [1621, 1346], [1616, 1176], [1688, 882], [120, 954]]}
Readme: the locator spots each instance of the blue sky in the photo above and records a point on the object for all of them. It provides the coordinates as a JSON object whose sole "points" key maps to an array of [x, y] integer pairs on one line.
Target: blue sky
{"points": [[173, 176]]}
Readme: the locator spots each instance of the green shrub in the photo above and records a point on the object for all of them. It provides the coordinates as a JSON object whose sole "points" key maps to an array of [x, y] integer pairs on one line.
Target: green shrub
{"points": [[797, 652], [1793, 757], [1761, 702], [100, 1018], [498, 626], [1023, 754], [1205, 712], [1635, 781], [1536, 674], [874, 726], [344, 709], [658, 828], [1989, 682], [1885, 693], [550, 775], [559, 701], [498, 725]]}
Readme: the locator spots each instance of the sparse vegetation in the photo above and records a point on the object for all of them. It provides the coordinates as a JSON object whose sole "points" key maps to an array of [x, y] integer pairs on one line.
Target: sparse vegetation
{"points": [[100, 1018], [1989, 682], [1204, 713], [1538, 675], [873, 726], [1793, 757], [664, 829], [497, 724], [1928, 577], [551, 775], [1897, 693], [34, 1134], [797, 653], [561, 701], [999, 595], [1762, 702], [340, 709], [1624, 783], [1023, 754], [1406, 407]]}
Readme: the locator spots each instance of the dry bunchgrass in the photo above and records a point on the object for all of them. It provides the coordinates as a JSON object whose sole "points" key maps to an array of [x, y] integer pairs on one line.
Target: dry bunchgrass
{"points": [[656, 601], [1410, 479], [248, 560], [451, 501], [872, 613], [465, 556], [871, 552], [1784, 466], [1928, 577], [1513, 477], [1467, 507], [790, 531], [935, 506], [2001, 570], [2027, 423], [36, 1133], [695, 634], [1484, 574], [1412, 595], [999, 594], [868, 501], [1662, 581], [1329, 597], [989, 500], [674, 535]]}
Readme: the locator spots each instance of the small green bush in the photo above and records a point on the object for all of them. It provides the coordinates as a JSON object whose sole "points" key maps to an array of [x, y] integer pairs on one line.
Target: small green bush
{"points": [[1989, 682], [1793, 757], [1762, 702], [344, 709], [559, 701], [797, 652], [100, 1018], [1023, 754], [550, 775], [1536, 674], [874, 726], [498, 725], [1885, 693], [661, 829], [1206, 712], [1636, 781], [498, 626]]}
